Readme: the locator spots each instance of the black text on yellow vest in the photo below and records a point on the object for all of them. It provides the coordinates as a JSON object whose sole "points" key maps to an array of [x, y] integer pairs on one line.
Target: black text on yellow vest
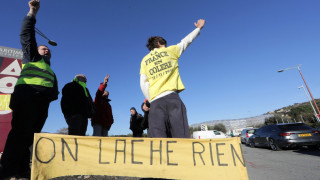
{"points": [[36, 73]]}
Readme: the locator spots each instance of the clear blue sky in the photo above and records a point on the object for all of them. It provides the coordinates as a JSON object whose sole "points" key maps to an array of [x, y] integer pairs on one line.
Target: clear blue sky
{"points": [[229, 71]]}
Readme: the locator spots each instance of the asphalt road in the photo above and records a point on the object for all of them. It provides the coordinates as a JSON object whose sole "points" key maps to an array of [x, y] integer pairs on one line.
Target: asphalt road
{"points": [[293, 164]]}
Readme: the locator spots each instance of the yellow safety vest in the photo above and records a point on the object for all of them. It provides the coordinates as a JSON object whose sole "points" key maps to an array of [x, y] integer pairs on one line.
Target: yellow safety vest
{"points": [[36, 73]]}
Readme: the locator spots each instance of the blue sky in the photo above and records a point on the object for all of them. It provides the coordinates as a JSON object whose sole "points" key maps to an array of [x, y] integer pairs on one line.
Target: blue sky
{"points": [[229, 71]]}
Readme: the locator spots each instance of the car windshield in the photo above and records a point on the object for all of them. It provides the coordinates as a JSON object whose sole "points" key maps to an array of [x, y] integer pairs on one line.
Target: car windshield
{"points": [[251, 131], [294, 127], [217, 133]]}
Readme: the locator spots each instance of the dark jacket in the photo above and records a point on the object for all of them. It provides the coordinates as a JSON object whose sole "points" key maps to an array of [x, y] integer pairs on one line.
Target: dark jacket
{"points": [[135, 122], [103, 115], [75, 101], [30, 54], [145, 123]]}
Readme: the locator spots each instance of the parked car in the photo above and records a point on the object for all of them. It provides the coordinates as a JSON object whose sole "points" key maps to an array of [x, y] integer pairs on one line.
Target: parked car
{"points": [[208, 134], [245, 134], [278, 136]]}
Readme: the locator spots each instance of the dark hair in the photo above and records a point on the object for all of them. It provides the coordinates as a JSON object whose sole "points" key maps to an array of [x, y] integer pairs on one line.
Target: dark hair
{"points": [[153, 42]]}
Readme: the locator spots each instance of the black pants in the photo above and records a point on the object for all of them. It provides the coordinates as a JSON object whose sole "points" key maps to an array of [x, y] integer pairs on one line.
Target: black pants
{"points": [[168, 117], [137, 133], [30, 111], [77, 124]]}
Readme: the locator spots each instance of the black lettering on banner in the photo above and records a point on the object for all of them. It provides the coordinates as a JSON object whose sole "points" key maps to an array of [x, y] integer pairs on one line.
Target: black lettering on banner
{"points": [[219, 154], [64, 143], [211, 156], [124, 150], [36, 150], [132, 151], [168, 151], [151, 152], [100, 162], [194, 152], [234, 161]]}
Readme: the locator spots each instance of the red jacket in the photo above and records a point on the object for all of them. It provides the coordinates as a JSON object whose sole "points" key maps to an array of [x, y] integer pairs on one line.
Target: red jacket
{"points": [[103, 115]]}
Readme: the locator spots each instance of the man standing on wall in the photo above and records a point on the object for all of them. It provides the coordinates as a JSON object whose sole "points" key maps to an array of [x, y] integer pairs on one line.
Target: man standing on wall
{"points": [[160, 83], [34, 90]]}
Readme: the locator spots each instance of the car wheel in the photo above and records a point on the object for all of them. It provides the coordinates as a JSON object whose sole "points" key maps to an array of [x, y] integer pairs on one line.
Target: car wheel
{"points": [[251, 144], [274, 145], [247, 143]]}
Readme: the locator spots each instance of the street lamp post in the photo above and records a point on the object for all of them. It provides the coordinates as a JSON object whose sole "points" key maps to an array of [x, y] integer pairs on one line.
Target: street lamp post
{"points": [[315, 113], [305, 84]]}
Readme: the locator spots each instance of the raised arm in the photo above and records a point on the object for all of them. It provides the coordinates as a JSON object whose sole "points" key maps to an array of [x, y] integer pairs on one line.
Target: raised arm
{"points": [[34, 6], [27, 34], [185, 42], [101, 89]]}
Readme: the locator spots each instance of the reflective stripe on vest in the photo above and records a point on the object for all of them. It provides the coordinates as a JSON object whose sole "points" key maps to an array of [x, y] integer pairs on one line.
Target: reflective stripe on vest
{"points": [[36, 73]]}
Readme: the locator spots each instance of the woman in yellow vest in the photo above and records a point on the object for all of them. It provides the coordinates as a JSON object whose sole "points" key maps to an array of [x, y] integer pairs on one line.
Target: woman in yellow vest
{"points": [[33, 92], [160, 83]]}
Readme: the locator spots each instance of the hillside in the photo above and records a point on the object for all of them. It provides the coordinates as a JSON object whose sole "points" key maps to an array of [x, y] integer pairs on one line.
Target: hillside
{"points": [[298, 112]]}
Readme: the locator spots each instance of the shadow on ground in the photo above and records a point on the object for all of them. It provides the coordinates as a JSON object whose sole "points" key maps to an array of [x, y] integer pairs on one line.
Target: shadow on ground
{"points": [[306, 151]]}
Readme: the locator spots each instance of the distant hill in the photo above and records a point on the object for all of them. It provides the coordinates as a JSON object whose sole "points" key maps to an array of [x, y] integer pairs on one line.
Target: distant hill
{"points": [[302, 112], [237, 123], [286, 110]]}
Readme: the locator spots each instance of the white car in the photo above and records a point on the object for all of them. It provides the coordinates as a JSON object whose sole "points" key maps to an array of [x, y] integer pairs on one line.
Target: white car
{"points": [[245, 134], [208, 134]]}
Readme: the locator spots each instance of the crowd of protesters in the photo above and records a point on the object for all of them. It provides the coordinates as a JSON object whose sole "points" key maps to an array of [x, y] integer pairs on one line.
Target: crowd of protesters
{"points": [[164, 116]]}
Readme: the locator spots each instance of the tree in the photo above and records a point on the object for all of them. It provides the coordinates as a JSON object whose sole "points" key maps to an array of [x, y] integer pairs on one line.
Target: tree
{"points": [[276, 119], [258, 125], [220, 127], [295, 112], [192, 129]]}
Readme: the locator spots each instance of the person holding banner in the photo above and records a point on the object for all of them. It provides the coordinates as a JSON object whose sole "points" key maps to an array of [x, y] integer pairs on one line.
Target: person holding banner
{"points": [[103, 118], [35, 89], [161, 84]]}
